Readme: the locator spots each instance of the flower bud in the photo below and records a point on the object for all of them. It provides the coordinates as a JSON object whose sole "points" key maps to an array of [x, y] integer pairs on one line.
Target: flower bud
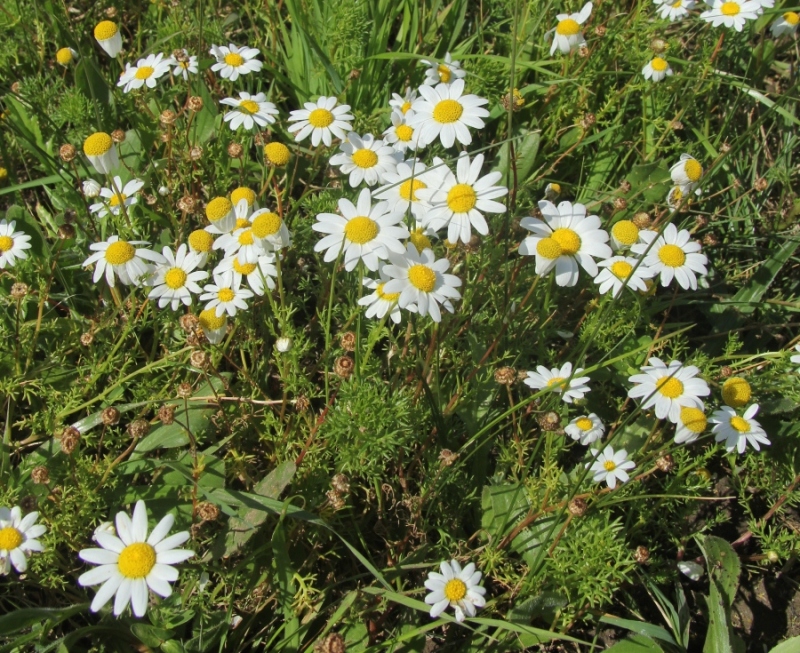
{"points": [[195, 103], [166, 414], [67, 152], [343, 367], [118, 136], [110, 416]]}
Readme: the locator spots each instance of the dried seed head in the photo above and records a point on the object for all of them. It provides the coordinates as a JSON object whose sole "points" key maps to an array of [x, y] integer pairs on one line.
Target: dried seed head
{"points": [[600, 31], [577, 507], [207, 511], [110, 416], [235, 150], [19, 290], [341, 483], [761, 184], [150, 199], [513, 101], [641, 555], [343, 367], [333, 643], [186, 204], [185, 390], [642, 220], [620, 203], [67, 152], [726, 371], [711, 240], [15, 88], [199, 359], [505, 375], [195, 103], [180, 55], [348, 341], [111, 12], [583, 50], [658, 45], [588, 120], [701, 221], [165, 137], [676, 125], [118, 136], [138, 428], [166, 414], [28, 503], [725, 148], [335, 499], [447, 457], [550, 421], [189, 322], [87, 339], [625, 186], [167, 117], [666, 463], [66, 232], [70, 437], [302, 404], [196, 153], [40, 475]]}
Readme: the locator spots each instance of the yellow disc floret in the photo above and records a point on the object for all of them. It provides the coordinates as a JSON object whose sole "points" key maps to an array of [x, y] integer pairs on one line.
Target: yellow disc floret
{"points": [[175, 278], [407, 105], [64, 56], [621, 269], [672, 256], [320, 118], [119, 252], [444, 73], [609, 465], [420, 240], [97, 144], [389, 297], [455, 590], [422, 277], [548, 248], [447, 111], [693, 169], [248, 106], [136, 560], [730, 8], [225, 295], [266, 224], [584, 423], [10, 538], [117, 199], [670, 387], [201, 241], [218, 208], [404, 133], [740, 424], [210, 321], [6, 243], [246, 237], [277, 153], [461, 198], [243, 193], [555, 381], [408, 189], [365, 158], [568, 240], [361, 229], [568, 27], [791, 17], [736, 392], [693, 419], [658, 64], [143, 72], [234, 59], [625, 232], [243, 268], [105, 30]]}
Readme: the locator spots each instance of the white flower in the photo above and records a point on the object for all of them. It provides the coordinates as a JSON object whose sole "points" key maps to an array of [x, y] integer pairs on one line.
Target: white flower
{"points": [[116, 196], [322, 121], [226, 295], [686, 173], [401, 135], [18, 538], [104, 527], [674, 9], [585, 429], [249, 111], [656, 69], [785, 24], [402, 105], [108, 37], [65, 56], [796, 359], [379, 303], [146, 71], [610, 466], [363, 232], [563, 381], [691, 423], [442, 73], [233, 61], [12, 244], [365, 158], [241, 243], [668, 388], [269, 230], [457, 588], [201, 242], [99, 149], [567, 34], [283, 344], [90, 188], [123, 259], [259, 273], [732, 13], [184, 65], [421, 280], [444, 112], [177, 278], [567, 237], [620, 272], [737, 431], [401, 191], [214, 326], [131, 562], [673, 254], [458, 201]]}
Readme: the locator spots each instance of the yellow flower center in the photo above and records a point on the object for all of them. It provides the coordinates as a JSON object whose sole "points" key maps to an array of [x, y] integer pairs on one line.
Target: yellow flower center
{"points": [[693, 419], [97, 144], [740, 424], [420, 240], [218, 208], [360, 230], [241, 223], [447, 111], [584, 423], [625, 232], [730, 8], [365, 158], [408, 189], [10, 538], [692, 167], [243, 268], [568, 27], [407, 105], [320, 118], [422, 277], [444, 73], [117, 199], [246, 237], [621, 269], [736, 392], [266, 224], [143, 72], [461, 198], [209, 320], [136, 560], [389, 297], [6, 243], [568, 240], [455, 590], [184, 64], [555, 381], [609, 465], [672, 255], [64, 56], [669, 387], [277, 153], [404, 133], [658, 64], [234, 59], [677, 4], [548, 248], [105, 30], [119, 252], [791, 17], [225, 295], [200, 240], [175, 278], [248, 106], [243, 193]]}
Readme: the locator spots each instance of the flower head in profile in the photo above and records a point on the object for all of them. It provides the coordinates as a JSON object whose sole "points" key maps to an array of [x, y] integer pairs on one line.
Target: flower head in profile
{"points": [[116, 197], [124, 259], [691, 423], [785, 25], [445, 72], [732, 13], [686, 173], [146, 72], [233, 61], [65, 56], [668, 388], [736, 432], [107, 35], [560, 380], [672, 255], [656, 69], [567, 34], [610, 466], [365, 159], [585, 429], [444, 112], [12, 244], [457, 588], [674, 9], [322, 120], [99, 149], [796, 358], [18, 538], [249, 111], [131, 563], [269, 230]]}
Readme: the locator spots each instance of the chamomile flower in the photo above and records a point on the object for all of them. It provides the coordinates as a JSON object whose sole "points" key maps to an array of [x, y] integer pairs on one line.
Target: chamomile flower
{"points": [[610, 466], [241, 243], [363, 232], [117, 196], [365, 158], [214, 326], [736, 431], [258, 274], [690, 425], [108, 37], [421, 280], [185, 64], [732, 13], [567, 34], [233, 61], [18, 538], [446, 72], [673, 254], [12, 244], [620, 272], [65, 56], [560, 380], [401, 136], [736, 392], [656, 69], [460, 200], [444, 112], [565, 239], [147, 72], [552, 191], [177, 278], [668, 388], [401, 191], [686, 173], [785, 25], [123, 259], [457, 588], [246, 194], [100, 150], [402, 104], [131, 562], [225, 295], [90, 188], [674, 9], [378, 302], [269, 230], [276, 154], [222, 215], [585, 429], [249, 111], [321, 120], [201, 243]]}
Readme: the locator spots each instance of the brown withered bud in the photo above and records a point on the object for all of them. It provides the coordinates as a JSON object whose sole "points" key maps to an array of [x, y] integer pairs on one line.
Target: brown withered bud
{"points": [[701, 221], [19, 290], [302, 404], [167, 117], [513, 100], [138, 428], [583, 51], [66, 232], [235, 150], [348, 341], [67, 152], [333, 643], [335, 499], [195, 103], [550, 421], [676, 125], [711, 240], [726, 371], [165, 137], [15, 88], [761, 184], [40, 475], [70, 437], [725, 148], [505, 375], [642, 220], [600, 31], [666, 463], [207, 511], [355, 73], [186, 204], [185, 390], [196, 153], [658, 45], [70, 215], [189, 322], [625, 186], [198, 359], [110, 416], [641, 555], [341, 483], [261, 138], [87, 339], [577, 507], [343, 367], [166, 414], [588, 120], [118, 136], [180, 55], [28, 503], [111, 12], [447, 457], [620, 203], [150, 199]]}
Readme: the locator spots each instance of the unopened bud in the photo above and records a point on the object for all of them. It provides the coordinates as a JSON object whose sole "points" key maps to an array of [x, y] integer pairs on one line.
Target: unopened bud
{"points": [[118, 136], [195, 103], [641, 555], [343, 367], [138, 428], [577, 507], [110, 416], [166, 414], [235, 150]]}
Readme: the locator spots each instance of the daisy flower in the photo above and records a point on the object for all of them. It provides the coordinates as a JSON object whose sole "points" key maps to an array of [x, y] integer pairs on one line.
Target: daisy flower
{"points": [[363, 232], [690, 425], [585, 429], [563, 381], [552, 192], [276, 154], [656, 69], [18, 538], [233, 61], [674, 9], [566, 238], [402, 104], [214, 326], [620, 272], [322, 121], [444, 112], [269, 230], [116, 196], [610, 467], [65, 56], [226, 295], [401, 191], [442, 73], [459, 200], [732, 13], [131, 562], [686, 173], [378, 302], [185, 64], [258, 274], [100, 150], [108, 37], [785, 24], [673, 254], [249, 111], [221, 214], [121, 258], [12, 244], [736, 392], [455, 587], [146, 71], [201, 243], [567, 34], [737, 431], [401, 136], [624, 233], [421, 280], [246, 194], [177, 278], [365, 158], [668, 388]]}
